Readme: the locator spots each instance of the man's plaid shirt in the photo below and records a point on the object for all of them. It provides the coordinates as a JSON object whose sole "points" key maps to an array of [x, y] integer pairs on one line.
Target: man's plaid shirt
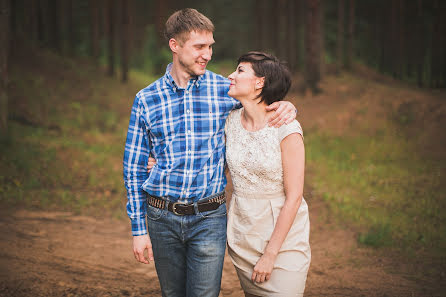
{"points": [[183, 129]]}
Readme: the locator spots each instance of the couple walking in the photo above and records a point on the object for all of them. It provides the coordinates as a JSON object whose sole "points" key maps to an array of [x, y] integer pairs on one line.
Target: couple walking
{"points": [[189, 120]]}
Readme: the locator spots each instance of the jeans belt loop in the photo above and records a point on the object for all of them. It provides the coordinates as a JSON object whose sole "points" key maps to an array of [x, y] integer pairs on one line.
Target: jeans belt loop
{"points": [[196, 208]]}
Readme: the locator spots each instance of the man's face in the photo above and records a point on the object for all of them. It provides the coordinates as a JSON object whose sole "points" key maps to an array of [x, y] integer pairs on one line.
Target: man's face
{"points": [[195, 53]]}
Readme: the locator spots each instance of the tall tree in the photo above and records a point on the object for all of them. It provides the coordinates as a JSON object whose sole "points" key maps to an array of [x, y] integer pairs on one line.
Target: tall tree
{"points": [[161, 17], [401, 40], [291, 41], [70, 26], [438, 52], [53, 28], [320, 18], [340, 37], [33, 22], [125, 38], [420, 45], [94, 30], [259, 29], [5, 40], [394, 37], [162, 8], [312, 45], [281, 33], [351, 26], [269, 25], [111, 8]]}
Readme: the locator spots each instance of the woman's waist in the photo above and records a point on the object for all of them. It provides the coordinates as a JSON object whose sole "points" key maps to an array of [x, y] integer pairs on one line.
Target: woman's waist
{"points": [[259, 194]]}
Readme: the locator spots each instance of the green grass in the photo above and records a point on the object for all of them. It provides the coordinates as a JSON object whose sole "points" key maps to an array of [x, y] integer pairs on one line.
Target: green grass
{"points": [[381, 185], [67, 154]]}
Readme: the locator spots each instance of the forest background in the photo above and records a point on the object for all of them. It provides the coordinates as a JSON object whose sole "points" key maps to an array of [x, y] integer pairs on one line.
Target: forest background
{"points": [[369, 81]]}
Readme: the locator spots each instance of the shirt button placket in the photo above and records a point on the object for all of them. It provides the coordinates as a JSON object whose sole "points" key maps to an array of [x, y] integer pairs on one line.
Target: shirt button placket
{"points": [[188, 121]]}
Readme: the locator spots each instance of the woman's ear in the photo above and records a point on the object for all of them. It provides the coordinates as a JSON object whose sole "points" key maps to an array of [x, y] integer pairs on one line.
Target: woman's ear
{"points": [[260, 81]]}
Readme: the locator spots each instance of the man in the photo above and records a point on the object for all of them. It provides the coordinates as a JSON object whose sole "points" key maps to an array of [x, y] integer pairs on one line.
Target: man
{"points": [[179, 120]]}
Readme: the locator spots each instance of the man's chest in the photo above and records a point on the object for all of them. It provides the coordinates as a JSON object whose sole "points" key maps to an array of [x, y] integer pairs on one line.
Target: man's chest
{"points": [[184, 114]]}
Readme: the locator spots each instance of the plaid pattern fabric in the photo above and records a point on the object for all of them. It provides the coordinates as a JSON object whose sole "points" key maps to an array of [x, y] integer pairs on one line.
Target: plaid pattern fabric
{"points": [[183, 129]]}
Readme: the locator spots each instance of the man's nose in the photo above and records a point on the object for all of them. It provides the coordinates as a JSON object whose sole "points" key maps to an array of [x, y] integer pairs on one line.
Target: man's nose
{"points": [[207, 55]]}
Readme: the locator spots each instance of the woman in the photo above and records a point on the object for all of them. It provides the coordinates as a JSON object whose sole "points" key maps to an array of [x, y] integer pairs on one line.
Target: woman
{"points": [[268, 223]]}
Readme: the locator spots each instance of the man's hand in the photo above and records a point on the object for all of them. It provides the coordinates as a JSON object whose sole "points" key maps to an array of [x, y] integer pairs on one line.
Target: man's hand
{"points": [[150, 164], [285, 113], [140, 244]]}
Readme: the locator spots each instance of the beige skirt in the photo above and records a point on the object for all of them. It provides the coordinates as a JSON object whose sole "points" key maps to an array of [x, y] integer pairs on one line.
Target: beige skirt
{"points": [[251, 221]]}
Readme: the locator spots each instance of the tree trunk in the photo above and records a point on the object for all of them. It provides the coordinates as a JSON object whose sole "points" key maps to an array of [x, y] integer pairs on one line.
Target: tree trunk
{"points": [[275, 27], [340, 37], [33, 27], [420, 44], [292, 35], [299, 11], [125, 38], [351, 26], [54, 36], [281, 33], [160, 21], [111, 37], [394, 37], [94, 30], [401, 33], [161, 18], [70, 27], [312, 45], [437, 41], [5, 40], [320, 19], [443, 44], [258, 28]]}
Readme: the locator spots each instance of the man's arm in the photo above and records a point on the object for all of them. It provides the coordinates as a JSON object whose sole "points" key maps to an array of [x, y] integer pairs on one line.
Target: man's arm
{"points": [[285, 113], [136, 154]]}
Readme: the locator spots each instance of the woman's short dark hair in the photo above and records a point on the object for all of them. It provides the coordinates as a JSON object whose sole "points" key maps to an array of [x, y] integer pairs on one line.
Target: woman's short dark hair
{"points": [[277, 76]]}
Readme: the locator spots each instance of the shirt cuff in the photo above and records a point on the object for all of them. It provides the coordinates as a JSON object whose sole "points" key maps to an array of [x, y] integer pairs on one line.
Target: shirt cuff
{"points": [[139, 226]]}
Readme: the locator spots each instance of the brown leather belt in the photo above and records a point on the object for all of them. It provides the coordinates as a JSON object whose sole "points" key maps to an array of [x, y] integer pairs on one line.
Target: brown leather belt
{"points": [[181, 209]]}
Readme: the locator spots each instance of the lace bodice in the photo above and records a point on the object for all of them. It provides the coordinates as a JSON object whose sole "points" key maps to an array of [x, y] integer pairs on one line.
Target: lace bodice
{"points": [[254, 158]]}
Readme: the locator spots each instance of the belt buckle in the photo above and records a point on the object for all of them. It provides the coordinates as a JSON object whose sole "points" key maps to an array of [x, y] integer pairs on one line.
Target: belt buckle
{"points": [[174, 208]]}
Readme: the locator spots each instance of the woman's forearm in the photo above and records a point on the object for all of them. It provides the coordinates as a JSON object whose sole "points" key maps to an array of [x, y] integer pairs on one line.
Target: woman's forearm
{"points": [[284, 222]]}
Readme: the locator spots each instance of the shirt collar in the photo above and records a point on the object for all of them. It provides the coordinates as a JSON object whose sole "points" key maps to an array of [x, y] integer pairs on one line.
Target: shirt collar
{"points": [[171, 82]]}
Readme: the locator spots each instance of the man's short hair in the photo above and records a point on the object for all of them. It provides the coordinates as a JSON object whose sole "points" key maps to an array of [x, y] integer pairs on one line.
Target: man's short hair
{"points": [[184, 21], [277, 76]]}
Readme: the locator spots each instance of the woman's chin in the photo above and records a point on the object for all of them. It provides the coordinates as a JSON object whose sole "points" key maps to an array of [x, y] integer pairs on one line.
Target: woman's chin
{"points": [[231, 94]]}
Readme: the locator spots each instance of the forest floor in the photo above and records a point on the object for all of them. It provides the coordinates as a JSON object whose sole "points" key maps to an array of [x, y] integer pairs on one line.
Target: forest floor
{"points": [[61, 254], [57, 242]]}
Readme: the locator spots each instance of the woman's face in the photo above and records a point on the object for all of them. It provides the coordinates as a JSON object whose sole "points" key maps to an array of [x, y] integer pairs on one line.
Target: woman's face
{"points": [[244, 82]]}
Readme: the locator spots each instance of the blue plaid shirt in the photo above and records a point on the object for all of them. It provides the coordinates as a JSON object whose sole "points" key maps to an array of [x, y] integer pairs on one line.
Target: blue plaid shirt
{"points": [[183, 129]]}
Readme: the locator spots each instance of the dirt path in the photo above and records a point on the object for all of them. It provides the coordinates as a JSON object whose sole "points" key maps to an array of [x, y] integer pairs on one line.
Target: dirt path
{"points": [[60, 254]]}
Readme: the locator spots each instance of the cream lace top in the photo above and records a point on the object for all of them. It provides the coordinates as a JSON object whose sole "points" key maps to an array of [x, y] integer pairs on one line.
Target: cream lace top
{"points": [[254, 158]]}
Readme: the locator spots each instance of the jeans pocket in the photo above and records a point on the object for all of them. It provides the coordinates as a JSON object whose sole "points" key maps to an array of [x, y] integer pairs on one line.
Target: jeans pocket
{"points": [[154, 213], [219, 212]]}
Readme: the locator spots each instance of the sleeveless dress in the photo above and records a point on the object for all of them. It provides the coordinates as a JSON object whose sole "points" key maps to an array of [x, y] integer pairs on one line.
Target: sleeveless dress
{"points": [[255, 164]]}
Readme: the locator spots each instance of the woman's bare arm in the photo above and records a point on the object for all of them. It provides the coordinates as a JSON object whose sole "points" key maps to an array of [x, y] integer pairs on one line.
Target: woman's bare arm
{"points": [[293, 163]]}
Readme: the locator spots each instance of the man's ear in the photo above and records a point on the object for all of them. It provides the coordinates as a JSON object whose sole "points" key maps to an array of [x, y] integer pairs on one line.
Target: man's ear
{"points": [[260, 82], [174, 44]]}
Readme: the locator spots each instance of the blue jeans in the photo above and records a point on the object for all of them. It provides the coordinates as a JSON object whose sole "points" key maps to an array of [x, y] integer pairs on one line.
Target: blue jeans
{"points": [[189, 251]]}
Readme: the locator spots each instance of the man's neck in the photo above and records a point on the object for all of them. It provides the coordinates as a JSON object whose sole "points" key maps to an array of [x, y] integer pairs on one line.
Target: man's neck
{"points": [[180, 76]]}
